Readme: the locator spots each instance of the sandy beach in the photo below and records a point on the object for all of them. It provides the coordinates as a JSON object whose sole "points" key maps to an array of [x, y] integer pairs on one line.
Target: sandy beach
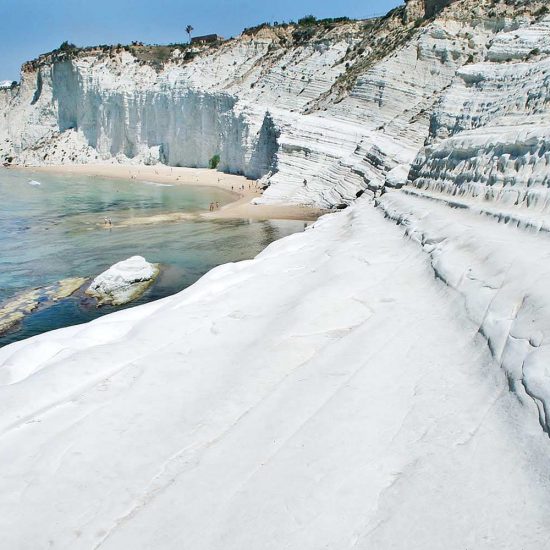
{"points": [[244, 189]]}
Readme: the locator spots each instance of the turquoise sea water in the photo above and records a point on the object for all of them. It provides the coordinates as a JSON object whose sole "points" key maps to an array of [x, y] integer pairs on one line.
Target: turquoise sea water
{"points": [[54, 230]]}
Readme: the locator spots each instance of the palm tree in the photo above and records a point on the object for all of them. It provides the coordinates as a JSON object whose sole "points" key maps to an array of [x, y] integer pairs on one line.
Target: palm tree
{"points": [[189, 29]]}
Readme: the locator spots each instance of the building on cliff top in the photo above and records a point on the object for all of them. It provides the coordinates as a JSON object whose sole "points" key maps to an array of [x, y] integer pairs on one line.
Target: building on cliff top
{"points": [[207, 38]]}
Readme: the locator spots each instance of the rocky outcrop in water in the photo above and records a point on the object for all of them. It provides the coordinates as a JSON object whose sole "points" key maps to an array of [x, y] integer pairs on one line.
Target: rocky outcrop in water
{"points": [[123, 282], [17, 308]]}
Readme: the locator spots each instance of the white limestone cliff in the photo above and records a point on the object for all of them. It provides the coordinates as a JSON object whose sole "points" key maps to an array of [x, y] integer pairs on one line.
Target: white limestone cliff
{"points": [[339, 107]]}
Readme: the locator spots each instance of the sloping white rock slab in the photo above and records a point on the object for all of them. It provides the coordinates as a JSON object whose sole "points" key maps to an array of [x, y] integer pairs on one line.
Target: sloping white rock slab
{"points": [[500, 272], [123, 282], [331, 393]]}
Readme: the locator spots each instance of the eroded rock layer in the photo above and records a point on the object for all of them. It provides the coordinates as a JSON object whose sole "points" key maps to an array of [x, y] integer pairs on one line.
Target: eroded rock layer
{"points": [[321, 113]]}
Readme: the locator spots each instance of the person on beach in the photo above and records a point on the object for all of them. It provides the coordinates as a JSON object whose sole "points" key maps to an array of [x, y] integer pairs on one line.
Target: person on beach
{"points": [[217, 205]]}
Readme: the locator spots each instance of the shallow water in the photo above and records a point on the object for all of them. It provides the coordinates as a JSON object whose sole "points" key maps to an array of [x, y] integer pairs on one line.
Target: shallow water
{"points": [[55, 230]]}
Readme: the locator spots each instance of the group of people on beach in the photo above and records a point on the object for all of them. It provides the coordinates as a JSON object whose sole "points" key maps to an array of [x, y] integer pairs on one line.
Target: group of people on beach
{"points": [[214, 206], [251, 186]]}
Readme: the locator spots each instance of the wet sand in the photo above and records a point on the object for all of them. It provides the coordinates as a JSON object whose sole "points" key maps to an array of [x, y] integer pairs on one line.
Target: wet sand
{"points": [[245, 190]]}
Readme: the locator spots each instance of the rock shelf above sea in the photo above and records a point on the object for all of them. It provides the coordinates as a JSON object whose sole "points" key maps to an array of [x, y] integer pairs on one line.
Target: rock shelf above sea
{"points": [[14, 311]]}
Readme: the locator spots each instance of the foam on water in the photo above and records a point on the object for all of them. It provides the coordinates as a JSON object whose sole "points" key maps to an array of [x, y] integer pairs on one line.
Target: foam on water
{"points": [[156, 184]]}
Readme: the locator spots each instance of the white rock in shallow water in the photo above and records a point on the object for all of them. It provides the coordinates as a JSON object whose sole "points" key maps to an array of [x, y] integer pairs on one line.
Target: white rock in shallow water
{"points": [[123, 282]]}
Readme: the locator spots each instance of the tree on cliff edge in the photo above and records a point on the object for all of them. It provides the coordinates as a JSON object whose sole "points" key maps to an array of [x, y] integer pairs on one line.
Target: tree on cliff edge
{"points": [[189, 29]]}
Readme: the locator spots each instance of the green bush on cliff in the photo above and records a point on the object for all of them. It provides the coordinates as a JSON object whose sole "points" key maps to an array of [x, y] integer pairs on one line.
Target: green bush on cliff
{"points": [[214, 161], [67, 47], [307, 20]]}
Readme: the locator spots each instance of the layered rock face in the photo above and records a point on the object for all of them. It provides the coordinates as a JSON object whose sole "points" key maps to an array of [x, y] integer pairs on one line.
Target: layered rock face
{"points": [[434, 6], [488, 155], [426, 8], [102, 109], [322, 114], [490, 135]]}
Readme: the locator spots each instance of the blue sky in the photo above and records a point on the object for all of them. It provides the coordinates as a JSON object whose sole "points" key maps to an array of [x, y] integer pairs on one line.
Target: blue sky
{"points": [[31, 27]]}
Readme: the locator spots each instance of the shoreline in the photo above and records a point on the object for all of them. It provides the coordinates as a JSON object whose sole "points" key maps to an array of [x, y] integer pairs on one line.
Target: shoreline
{"points": [[244, 189]]}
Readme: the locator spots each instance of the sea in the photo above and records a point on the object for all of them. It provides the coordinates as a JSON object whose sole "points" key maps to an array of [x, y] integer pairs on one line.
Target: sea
{"points": [[52, 227]]}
